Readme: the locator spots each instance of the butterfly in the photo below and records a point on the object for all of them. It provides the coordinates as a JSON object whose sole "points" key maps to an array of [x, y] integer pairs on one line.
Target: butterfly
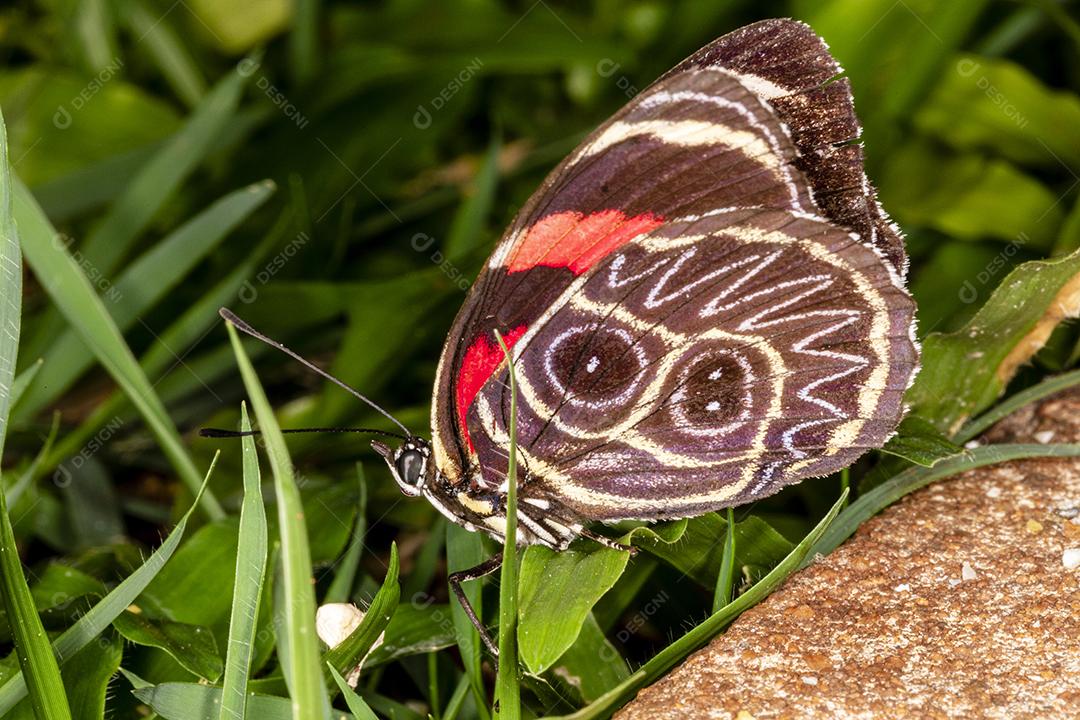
{"points": [[703, 303]]}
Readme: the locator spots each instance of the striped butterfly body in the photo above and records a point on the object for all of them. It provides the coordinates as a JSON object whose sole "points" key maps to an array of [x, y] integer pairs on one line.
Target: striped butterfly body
{"points": [[704, 303]]}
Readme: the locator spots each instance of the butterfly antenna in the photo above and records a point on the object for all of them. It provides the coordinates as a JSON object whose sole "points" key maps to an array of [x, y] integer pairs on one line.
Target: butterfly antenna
{"points": [[222, 433], [245, 328]]}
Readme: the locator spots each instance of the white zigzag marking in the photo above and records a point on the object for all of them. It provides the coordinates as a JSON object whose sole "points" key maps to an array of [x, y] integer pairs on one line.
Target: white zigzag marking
{"points": [[654, 301]]}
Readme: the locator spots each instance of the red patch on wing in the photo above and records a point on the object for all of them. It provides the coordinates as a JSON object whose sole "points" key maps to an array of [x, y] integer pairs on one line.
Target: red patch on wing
{"points": [[481, 359], [576, 241]]}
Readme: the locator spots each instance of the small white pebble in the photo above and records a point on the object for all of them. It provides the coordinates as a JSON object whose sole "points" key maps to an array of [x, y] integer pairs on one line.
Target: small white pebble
{"points": [[993, 491], [902, 587], [1071, 558], [967, 572], [953, 582], [1044, 436], [1069, 513], [334, 622], [809, 679]]}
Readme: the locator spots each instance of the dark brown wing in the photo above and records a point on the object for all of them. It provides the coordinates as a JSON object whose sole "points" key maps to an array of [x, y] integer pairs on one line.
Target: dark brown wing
{"points": [[789, 66], [710, 134]]}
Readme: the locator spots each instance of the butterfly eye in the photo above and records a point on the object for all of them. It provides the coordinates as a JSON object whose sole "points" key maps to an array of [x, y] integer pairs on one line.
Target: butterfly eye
{"points": [[410, 467]]}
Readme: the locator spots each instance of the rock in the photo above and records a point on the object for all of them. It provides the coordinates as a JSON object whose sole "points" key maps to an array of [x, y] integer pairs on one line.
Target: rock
{"points": [[960, 601]]}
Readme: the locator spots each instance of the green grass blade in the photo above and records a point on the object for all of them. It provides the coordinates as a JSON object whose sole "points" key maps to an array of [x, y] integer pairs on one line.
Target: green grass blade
{"points": [[147, 192], [32, 646], [507, 691], [346, 655], [250, 573], [99, 617], [725, 580], [23, 380], [466, 234], [341, 587], [464, 550], [142, 285], [157, 35], [896, 487], [10, 289], [357, 706], [186, 331], [701, 634], [303, 41], [64, 281], [1044, 389], [303, 667]]}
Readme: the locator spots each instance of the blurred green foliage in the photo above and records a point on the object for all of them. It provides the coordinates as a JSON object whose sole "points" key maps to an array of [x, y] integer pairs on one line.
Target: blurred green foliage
{"points": [[336, 173]]}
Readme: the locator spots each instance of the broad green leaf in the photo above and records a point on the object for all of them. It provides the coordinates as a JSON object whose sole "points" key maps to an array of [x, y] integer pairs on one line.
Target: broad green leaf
{"points": [[98, 618], [244, 24], [971, 197], [919, 442], [198, 584], [991, 104], [71, 291], [965, 371], [699, 552], [302, 664], [58, 583], [247, 591], [141, 286], [192, 646], [55, 132], [663, 661], [31, 643], [416, 628], [556, 593], [949, 284], [592, 665], [87, 676]]}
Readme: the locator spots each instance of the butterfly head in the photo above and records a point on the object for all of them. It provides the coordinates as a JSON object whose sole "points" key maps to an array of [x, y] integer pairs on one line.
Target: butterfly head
{"points": [[410, 464]]}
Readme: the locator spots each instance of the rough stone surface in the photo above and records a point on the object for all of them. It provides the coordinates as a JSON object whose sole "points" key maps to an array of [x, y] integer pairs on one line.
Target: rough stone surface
{"points": [[957, 602]]}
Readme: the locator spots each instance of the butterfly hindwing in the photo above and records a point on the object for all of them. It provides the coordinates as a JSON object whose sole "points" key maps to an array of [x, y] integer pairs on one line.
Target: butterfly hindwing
{"points": [[705, 364]]}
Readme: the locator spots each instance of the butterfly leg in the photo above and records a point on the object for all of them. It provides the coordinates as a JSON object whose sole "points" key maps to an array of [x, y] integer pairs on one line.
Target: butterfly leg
{"points": [[475, 573], [607, 542]]}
